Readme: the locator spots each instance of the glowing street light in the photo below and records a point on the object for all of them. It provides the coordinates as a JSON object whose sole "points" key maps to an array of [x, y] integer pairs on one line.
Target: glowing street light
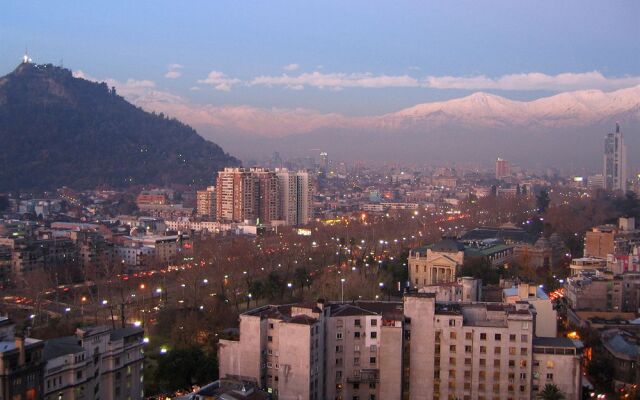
{"points": [[342, 281]]}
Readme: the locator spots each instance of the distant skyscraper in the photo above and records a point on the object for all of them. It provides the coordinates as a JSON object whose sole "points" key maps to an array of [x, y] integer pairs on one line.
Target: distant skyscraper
{"points": [[615, 161], [503, 168], [324, 162]]}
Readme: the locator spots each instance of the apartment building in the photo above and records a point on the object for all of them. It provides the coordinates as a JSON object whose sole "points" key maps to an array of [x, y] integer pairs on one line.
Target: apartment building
{"points": [[206, 202], [419, 349], [281, 349], [294, 192], [21, 364], [109, 366], [546, 315], [247, 194]]}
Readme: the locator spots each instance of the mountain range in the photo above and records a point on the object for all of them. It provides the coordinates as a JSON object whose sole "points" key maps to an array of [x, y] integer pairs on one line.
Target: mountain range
{"points": [[57, 130], [566, 129]]}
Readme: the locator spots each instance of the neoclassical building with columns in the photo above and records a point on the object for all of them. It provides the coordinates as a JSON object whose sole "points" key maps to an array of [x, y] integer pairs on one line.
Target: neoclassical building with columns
{"points": [[435, 264]]}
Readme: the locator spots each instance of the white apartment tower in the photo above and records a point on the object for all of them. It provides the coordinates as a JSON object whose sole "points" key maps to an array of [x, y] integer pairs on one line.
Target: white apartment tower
{"points": [[294, 190], [615, 161]]}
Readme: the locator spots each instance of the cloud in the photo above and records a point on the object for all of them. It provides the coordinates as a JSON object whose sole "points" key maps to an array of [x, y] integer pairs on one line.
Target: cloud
{"points": [[335, 81], [220, 81], [533, 81], [173, 71], [291, 67]]}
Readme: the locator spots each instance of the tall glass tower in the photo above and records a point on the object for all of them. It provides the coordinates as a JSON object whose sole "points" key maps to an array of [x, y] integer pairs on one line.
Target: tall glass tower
{"points": [[615, 161]]}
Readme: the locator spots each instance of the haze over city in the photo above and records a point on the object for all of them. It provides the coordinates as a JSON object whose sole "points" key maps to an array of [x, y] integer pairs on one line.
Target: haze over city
{"points": [[341, 200]]}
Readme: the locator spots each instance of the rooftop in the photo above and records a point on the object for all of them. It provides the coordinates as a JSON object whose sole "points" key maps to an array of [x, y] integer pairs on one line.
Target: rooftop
{"points": [[62, 346], [556, 342]]}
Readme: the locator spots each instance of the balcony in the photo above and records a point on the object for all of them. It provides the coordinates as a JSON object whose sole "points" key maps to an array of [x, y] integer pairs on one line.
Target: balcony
{"points": [[365, 376]]}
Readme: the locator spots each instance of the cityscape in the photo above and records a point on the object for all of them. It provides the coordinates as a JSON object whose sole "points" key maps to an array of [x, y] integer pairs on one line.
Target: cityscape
{"points": [[433, 229]]}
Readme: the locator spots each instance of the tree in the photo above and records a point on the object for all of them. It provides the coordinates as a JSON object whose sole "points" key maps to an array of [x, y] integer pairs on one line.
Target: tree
{"points": [[183, 367], [551, 392], [543, 201]]}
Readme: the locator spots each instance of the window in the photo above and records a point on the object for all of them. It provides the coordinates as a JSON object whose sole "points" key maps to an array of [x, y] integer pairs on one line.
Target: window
{"points": [[523, 351], [497, 350], [498, 337], [523, 363], [468, 335], [550, 364], [338, 361], [356, 322], [482, 375], [452, 335], [438, 334], [523, 375], [524, 338], [338, 349], [270, 326], [512, 363], [356, 361], [483, 349], [467, 361], [452, 373], [452, 348], [356, 335], [512, 338], [483, 336], [372, 360], [468, 349], [339, 335], [374, 335], [269, 338], [550, 376], [452, 361], [496, 363], [496, 376], [452, 322], [338, 375], [374, 322], [483, 362], [512, 351]]}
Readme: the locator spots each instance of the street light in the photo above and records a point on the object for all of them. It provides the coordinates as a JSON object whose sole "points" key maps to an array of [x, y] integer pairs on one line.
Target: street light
{"points": [[342, 281]]}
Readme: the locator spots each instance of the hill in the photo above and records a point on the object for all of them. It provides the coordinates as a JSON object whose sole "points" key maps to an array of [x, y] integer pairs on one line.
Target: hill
{"points": [[59, 130]]}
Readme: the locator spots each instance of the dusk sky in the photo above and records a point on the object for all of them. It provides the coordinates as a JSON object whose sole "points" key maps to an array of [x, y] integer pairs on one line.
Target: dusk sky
{"points": [[348, 57]]}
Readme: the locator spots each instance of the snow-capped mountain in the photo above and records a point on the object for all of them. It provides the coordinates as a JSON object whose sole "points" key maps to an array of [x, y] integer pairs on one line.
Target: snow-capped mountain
{"points": [[482, 109]]}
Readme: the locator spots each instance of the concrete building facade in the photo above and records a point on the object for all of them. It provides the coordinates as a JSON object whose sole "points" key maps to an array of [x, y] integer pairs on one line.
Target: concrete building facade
{"points": [[419, 349]]}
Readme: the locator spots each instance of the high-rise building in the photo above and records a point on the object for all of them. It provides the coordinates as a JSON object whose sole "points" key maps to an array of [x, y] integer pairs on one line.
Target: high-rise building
{"points": [[503, 168], [247, 194], [417, 349], [615, 161], [324, 162], [294, 189], [206, 202]]}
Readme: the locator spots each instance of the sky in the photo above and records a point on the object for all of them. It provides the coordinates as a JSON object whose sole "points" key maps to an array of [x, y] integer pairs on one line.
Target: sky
{"points": [[348, 57]]}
